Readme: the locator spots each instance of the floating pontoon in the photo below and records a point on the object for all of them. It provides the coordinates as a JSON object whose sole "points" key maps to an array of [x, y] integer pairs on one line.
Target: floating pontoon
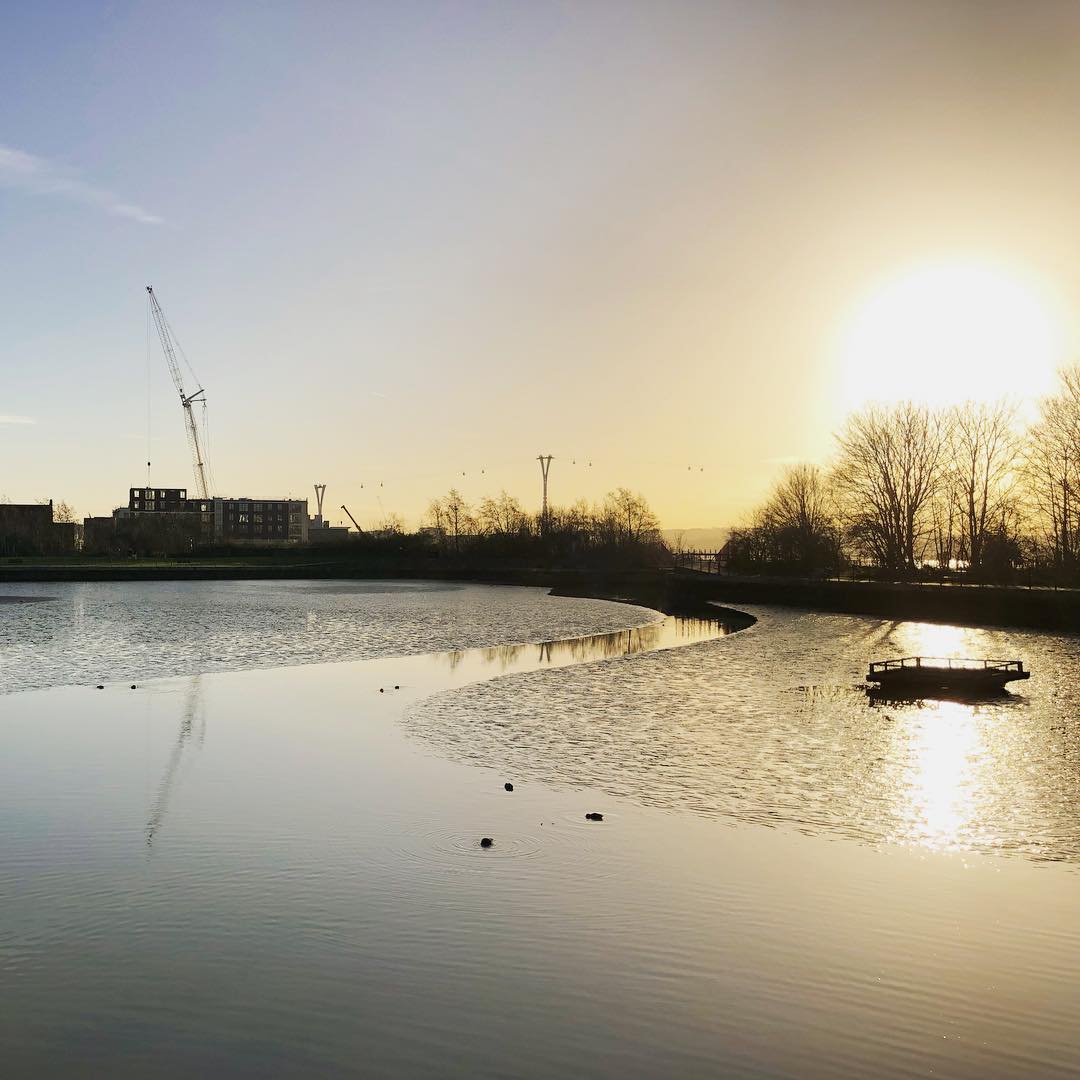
{"points": [[925, 673]]}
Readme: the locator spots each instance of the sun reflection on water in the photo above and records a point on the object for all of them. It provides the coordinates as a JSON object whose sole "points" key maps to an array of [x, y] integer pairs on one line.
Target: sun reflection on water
{"points": [[933, 639], [939, 748]]}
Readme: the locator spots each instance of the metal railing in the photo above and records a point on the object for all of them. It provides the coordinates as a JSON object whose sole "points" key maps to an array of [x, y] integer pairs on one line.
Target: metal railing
{"points": [[948, 662], [704, 562]]}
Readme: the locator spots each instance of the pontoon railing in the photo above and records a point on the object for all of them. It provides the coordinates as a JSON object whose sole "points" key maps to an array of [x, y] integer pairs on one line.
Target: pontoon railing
{"points": [[951, 662]]}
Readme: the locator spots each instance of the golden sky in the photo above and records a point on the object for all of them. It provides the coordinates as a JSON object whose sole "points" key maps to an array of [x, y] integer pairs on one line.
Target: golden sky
{"points": [[417, 246]]}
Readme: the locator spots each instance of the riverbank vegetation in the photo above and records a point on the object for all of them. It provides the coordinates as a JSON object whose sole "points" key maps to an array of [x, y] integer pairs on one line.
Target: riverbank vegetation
{"points": [[621, 531], [912, 491]]}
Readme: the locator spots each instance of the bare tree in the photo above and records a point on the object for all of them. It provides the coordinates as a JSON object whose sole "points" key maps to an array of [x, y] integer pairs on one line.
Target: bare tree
{"points": [[435, 517], [580, 518], [1052, 469], [947, 535], [887, 473], [799, 514], [982, 473], [795, 527], [392, 523], [628, 515], [64, 513], [457, 516], [503, 516]]}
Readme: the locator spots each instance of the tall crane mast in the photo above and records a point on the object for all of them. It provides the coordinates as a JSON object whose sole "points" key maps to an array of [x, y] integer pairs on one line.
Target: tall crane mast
{"points": [[352, 519], [169, 348]]}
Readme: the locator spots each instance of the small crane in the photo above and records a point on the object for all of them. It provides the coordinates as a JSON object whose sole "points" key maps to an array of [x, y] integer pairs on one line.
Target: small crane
{"points": [[169, 348], [352, 519]]}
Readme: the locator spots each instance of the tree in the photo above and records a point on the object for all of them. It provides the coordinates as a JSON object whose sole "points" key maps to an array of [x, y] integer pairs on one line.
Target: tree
{"points": [[64, 513], [888, 471], [628, 515], [945, 525], [392, 523], [451, 516], [503, 516], [435, 518], [798, 522], [982, 473], [1051, 463]]}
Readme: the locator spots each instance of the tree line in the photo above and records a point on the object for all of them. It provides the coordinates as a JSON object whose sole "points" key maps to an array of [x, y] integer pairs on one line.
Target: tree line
{"points": [[622, 528], [912, 490]]}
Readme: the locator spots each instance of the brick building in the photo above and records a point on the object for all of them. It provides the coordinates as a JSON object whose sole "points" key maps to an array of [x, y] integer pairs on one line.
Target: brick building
{"points": [[226, 521]]}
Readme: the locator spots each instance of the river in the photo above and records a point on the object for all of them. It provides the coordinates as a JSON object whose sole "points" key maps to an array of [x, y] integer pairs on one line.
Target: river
{"points": [[257, 863]]}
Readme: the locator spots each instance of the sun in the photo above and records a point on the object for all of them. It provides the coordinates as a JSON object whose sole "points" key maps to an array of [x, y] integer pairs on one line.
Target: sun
{"points": [[949, 332]]}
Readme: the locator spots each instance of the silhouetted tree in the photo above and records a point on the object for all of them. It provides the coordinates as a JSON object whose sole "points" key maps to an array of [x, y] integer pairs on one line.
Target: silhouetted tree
{"points": [[798, 521], [888, 471], [1051, 464], [392, 523], [626, 514], [981, 478], [451, 518], [503, 516]]}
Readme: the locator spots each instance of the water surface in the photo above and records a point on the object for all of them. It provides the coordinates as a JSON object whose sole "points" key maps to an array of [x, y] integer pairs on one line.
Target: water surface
{"points": [[774, 725], [276, 871], [131, 631]]}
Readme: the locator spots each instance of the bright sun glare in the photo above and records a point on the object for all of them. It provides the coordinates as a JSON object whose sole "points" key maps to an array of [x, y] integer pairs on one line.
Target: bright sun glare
{"points": [[952, 332]]}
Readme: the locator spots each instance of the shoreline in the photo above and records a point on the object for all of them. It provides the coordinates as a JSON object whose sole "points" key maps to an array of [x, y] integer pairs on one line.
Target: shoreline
{"points": [[670, 591], [634, 623]]}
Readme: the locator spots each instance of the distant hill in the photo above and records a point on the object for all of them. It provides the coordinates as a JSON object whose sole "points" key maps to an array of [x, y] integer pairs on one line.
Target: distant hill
{"points": [[697, 539]]}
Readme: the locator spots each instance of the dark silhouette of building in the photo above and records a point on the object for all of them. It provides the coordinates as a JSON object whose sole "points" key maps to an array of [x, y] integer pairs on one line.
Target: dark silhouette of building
{"points": [[99, 535], [261, 520], [223, 521], [29, 529]]}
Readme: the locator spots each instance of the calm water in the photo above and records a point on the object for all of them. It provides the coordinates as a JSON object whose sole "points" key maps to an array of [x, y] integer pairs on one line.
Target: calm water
{"points": [[277, 872]]}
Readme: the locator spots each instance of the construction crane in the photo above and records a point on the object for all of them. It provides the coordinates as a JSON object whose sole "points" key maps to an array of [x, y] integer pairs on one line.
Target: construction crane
{"points": [[168, 346], [352, 519]]}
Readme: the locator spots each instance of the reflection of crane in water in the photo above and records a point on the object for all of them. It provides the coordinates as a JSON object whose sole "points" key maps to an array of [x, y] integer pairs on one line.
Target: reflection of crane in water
{"points": [[192, 721]]}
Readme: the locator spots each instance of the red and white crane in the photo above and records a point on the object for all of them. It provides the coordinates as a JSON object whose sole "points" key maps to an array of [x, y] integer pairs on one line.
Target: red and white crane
{"points": [[169, 347]]}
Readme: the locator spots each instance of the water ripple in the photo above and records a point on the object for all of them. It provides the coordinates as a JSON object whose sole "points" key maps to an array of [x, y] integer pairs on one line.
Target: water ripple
{"points": [[134, 631], [774, 726]]}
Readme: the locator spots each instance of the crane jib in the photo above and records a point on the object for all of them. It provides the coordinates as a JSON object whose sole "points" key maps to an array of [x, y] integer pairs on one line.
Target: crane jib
{"points": [[168, 347]]}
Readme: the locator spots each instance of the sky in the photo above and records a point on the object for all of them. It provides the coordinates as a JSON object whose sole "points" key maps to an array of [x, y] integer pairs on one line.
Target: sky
{"points": [[412, 246]]}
